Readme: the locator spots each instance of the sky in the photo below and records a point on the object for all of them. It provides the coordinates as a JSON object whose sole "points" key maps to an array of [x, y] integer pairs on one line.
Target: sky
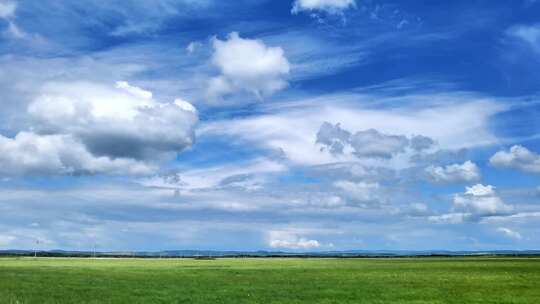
{"points": [[290, 125]]}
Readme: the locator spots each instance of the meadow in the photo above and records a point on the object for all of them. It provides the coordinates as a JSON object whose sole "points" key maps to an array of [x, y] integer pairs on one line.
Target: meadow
{"points": [[403, 280]]}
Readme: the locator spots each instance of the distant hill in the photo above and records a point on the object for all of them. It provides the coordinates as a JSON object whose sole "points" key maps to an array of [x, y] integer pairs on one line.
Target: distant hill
{"points": [[211, 253]]}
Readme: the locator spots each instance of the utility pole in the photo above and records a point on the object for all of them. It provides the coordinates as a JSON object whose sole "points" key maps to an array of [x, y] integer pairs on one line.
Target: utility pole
{"points": [[36, 248]]}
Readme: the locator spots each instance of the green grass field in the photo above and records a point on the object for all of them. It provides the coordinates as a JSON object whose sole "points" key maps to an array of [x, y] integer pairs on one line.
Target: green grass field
{"points": [[417, 280]]}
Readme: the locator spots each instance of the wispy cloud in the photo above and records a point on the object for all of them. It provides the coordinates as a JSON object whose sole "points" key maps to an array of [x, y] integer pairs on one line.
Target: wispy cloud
{"points": [[294, 129], [528, 34], [329, 6], [509, 233]]}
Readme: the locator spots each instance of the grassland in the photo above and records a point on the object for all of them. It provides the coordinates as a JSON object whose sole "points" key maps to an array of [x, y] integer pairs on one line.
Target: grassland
{"points": [[426, 280]]}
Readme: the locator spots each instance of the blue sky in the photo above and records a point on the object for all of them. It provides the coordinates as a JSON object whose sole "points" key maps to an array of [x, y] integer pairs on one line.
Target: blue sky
{"points": [[296, 125]]}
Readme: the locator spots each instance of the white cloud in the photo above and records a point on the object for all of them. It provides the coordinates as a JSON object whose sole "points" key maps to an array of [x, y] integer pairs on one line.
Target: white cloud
{"points": [[240, 175], [7, 12], [519, 158], [15, 31], [247, 182], [319, 200], [193, 46], [7, 9], [333, 137], [314, 56], [509, 233], [218, 87], [141, 17], [293, 127], [20, 83], [288, 240], [517, 215], [88, 128], [478, 203], [529, 34], [372, 143], [456, 173], [33, 154], [480, 200], [135, 91], [449, 218], [329, 6], [402, 23], [185, 105], [361, 193], [121, 122], [247, 65], [480, 190], [418, 209]]}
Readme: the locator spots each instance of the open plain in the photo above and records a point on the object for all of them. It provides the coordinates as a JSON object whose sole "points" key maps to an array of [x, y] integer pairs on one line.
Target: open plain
{"points": [[328, 280]]}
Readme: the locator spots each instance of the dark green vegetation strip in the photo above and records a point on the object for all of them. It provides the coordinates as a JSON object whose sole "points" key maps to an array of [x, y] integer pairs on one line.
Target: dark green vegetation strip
{"points": [[429, 280]]}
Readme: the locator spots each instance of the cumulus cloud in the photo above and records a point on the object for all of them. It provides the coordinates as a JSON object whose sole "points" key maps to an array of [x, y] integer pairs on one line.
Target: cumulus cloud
{"points": [[368, 144], [33, 154], [329, 6], [478, 203], [480, 200], [519, 158], [87, 128], [372, 143], [456, 173], [247, 65], [287, 240], [509, 233], [333, 137], [121, 122]]}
